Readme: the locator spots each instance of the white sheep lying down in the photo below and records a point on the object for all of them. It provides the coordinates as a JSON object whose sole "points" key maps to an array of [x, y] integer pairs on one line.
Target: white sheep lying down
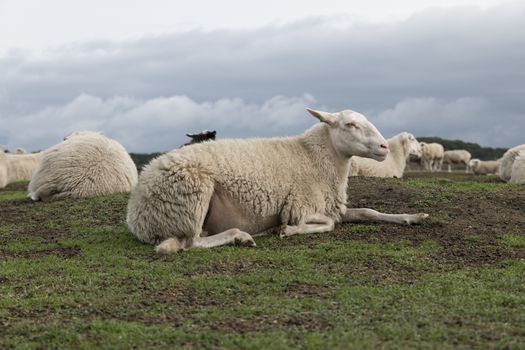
{"points": [[17, 167], [507, 162], [401, 147], [431, 156], [517, 175], [484, 167], [457, 156], [216, 193], [85, 164]]}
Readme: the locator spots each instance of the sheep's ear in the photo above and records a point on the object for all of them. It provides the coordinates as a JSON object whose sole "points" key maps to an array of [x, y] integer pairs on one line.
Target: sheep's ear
{"points": [[324, 117]]}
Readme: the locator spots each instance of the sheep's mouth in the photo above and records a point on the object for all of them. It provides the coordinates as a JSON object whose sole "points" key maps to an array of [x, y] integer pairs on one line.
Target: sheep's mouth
{"points": [[381, 153], [379, 156]]}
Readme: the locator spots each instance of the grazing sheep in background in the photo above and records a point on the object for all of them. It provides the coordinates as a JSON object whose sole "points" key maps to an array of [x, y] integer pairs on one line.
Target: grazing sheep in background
{"points": [[3, 169], [85, 164], [507, 160], [431, 156], [17, 167], [214, 193], [458, 156], [401, 147], [484, 167], [518, 169], [471, 163], [20, 150], [205, 135]]}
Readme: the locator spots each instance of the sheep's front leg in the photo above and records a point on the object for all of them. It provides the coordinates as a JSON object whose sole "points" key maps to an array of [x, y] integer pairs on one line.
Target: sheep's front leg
{"points": [[231, 236], [315, 223], [365, 214]]}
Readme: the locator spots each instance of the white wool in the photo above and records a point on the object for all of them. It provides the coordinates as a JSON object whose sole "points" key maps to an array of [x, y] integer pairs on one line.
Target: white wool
{"points": [[431, 156], [518, 169], [458, 156], [507, 162], [85, 164], [17, 167], [484, 167]]}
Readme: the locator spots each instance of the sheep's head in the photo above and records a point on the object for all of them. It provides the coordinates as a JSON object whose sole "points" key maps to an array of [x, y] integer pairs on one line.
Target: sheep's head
{"points": [[473, 163], [413, 146], [352, 134]]}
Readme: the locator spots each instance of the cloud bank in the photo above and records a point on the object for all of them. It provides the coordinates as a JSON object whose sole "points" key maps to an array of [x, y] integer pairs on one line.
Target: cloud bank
{"points": [[454, 72], [160, 124]]}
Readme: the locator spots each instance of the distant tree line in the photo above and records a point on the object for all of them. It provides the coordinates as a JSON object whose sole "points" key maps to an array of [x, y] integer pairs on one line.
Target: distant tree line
{"points": [[141, 159], [483, 153]]}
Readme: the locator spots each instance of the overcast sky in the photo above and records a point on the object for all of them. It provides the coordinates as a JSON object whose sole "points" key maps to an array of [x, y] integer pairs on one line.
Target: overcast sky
{"points": [[145, 73]]}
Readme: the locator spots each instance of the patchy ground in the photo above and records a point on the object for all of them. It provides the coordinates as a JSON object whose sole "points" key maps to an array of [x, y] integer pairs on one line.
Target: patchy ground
{"points": [[72, 276]]}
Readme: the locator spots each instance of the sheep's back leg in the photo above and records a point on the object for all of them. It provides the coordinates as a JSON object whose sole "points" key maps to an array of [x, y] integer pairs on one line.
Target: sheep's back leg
{"points": [[231, 236], [316, 223], [365, 214]]}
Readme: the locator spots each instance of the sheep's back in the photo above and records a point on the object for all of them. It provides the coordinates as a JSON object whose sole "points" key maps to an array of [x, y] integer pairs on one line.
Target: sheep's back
{"points": [[507, 161], [518, 169], [85, 166]]}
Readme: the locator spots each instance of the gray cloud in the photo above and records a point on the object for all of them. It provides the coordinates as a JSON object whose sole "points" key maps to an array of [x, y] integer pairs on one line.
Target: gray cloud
{"points": [[453, 72], [160, 124]]}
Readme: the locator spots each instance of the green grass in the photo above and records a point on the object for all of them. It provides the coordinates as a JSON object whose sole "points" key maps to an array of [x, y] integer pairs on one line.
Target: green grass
{"points": [[514, 241], [456, 186], [73, 276], [12, 195]]}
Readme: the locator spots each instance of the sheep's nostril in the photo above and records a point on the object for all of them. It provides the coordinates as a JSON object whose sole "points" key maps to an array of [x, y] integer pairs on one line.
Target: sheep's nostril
{"points": [[383, 146]]}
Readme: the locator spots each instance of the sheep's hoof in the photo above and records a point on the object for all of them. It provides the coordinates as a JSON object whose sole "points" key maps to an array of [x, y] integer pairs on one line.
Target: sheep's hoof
{"points": [[287, 231], [248, 243], [33, 197], [169, 246], [416, 219], [244, 239]]}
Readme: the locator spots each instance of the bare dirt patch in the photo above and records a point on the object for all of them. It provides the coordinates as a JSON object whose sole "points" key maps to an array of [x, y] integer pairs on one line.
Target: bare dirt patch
{"points": [[35, 254], [260, 323], [470, 224]]}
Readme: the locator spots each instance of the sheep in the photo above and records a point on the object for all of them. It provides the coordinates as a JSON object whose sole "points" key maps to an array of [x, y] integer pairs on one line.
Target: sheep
{"points": [[401, 147], [484, 167], [200, 137], [85, 164], [17, 167], [458, 156], [507, 160], [214, 193], [3, 169], [431, 156], [518, 169], [20, 150]]}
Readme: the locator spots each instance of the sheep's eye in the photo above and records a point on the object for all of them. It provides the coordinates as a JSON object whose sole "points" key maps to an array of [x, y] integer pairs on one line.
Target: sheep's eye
{"points": [[352, 125]]}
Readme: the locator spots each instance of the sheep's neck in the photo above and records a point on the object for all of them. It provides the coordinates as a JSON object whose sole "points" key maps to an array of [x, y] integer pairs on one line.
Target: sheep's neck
{"points": [[398, 153], [333, 165]]}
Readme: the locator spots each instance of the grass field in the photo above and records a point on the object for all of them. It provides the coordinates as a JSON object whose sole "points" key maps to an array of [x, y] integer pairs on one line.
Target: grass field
{"points": [[73, 276]]}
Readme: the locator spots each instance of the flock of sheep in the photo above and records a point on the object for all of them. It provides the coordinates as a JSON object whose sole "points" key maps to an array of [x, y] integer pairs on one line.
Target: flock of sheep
{"points": [[432, 157], [215, 193]]}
